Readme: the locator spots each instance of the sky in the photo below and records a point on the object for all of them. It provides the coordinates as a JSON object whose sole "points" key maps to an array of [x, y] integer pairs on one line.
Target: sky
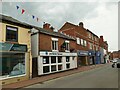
{"points": [[100, 17]]}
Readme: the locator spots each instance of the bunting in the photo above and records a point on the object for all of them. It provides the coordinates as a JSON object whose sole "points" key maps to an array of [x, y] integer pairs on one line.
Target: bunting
{"points": [[33, 16], [17, 7], [23, 11]]}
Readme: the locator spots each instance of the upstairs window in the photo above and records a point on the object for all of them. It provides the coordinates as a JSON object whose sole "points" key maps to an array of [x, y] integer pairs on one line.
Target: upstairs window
{"points": [[11, 34], [54, 44], [67, 45], [78, 41]]}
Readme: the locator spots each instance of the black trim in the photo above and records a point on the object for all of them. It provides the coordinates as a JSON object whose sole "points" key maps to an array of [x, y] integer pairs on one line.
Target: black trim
{"points": [[16, 32]]}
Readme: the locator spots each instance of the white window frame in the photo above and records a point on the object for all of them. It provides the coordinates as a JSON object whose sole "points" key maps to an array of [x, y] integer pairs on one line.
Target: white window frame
{"points": [[55, 40], [78, 41], [67, 43]]}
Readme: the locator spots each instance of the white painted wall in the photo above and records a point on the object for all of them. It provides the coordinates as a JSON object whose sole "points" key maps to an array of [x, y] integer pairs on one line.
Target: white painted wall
{"points": [[73, 64], [34, 45]]}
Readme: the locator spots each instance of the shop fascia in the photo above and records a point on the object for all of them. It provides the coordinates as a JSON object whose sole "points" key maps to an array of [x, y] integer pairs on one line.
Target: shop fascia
{"points": [[46, 53]]}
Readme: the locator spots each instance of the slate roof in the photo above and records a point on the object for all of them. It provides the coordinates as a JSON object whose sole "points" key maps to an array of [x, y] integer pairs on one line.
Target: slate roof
{"points": [[56, 34], [10, 20]]}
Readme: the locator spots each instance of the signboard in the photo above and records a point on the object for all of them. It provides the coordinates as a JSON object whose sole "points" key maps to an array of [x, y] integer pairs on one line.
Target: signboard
{"points": [[82, 53], [13, 47], [45, 53]]}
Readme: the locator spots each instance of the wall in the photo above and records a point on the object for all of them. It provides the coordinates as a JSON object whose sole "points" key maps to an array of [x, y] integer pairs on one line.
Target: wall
{"points": [[23, 38]]}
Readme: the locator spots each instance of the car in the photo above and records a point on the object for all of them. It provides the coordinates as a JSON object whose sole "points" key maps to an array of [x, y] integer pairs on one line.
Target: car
{"points": [[116, 63]]}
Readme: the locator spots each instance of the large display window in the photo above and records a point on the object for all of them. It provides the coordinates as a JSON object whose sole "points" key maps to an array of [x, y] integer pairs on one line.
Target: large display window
{"points": [[13, 64]]}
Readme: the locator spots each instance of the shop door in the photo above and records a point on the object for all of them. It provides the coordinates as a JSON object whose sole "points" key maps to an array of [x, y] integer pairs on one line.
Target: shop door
{"points": [[34, 67]]}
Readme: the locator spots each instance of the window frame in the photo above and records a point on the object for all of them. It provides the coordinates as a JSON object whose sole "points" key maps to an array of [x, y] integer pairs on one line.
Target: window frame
{"points": [[7, 32]]}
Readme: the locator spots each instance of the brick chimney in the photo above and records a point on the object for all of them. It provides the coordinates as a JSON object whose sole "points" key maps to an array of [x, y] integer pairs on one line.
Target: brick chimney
{"points": [[101, 41], [81, 24], [48, 27]]}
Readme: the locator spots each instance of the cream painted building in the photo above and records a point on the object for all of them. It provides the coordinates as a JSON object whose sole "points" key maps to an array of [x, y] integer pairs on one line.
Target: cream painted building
{"points": [[15, 50]]}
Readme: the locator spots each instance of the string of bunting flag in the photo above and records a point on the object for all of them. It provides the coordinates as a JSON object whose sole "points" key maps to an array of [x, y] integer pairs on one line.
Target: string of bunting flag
{"points": [[23, 11]]}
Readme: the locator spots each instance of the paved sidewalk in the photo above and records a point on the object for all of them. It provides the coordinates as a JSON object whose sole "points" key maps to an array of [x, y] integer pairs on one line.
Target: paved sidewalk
{"points": [[49, 77]]}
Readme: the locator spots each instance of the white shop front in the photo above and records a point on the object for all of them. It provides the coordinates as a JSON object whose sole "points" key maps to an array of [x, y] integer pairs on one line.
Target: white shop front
{"points": [[51, 62]]}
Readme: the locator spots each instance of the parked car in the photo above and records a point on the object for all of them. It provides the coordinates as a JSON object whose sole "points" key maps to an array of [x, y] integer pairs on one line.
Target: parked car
{"points": [[116, 63]]}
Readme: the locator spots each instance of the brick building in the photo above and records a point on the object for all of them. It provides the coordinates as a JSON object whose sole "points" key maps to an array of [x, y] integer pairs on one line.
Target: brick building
{"points": [[87, 43], [115, 55], [52, 51]]}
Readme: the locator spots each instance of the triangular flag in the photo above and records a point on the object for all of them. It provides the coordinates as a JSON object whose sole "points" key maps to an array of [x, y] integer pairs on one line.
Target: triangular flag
{"points": [[33, 16], [23, 11], [37, 19], [17, 7]]}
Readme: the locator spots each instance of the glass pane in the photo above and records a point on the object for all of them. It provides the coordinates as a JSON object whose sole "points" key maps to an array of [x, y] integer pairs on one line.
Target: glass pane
{"points": [[13, 64], [53, 59], [53, 68]]}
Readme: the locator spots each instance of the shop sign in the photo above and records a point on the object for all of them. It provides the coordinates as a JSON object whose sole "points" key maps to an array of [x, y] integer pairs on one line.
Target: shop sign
{"points": [[13, 47], [82, 53], [57, 54]]}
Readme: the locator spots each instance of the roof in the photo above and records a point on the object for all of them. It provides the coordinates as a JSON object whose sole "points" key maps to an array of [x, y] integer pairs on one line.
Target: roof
{"points": [[10, 20], [83, 27], [56, 34]]}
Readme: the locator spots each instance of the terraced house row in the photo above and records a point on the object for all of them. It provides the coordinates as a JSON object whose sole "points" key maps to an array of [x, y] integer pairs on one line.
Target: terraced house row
{"points": [[28, 51]]}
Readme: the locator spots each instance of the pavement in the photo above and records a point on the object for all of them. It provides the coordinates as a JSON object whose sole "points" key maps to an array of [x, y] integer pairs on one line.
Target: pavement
{"points": [[102, 78], [44, 78]]}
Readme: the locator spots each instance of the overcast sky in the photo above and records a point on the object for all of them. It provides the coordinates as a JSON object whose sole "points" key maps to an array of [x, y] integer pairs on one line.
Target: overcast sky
{"points": [[99, 17]]}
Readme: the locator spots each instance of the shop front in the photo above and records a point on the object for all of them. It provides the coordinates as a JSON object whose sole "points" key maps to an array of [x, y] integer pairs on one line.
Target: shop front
{"points": [[51, 62], [98, 57], [92, 58], [82, 58], [13, 62]]}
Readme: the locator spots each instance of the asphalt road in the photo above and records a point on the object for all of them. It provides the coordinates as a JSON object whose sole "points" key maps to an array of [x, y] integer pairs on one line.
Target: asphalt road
{"points": [[103, 77]]}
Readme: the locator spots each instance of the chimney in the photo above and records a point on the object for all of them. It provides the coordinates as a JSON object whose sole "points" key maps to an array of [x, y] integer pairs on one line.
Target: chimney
{"points": [[101, 41], [48, 27], [81, 24]]}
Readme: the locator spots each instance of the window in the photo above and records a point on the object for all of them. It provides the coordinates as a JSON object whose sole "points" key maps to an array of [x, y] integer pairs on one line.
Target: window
{"points": [[67, 45], [53, 59], [11, 34], [59, 59], [67, 66], [53, 68], [85, 43], [59, 67], [78, 41], [46, 69], [13, 64], [82, 42], [67, 59], [89, 35], [45, 60], [90, 44], [54, 45]]}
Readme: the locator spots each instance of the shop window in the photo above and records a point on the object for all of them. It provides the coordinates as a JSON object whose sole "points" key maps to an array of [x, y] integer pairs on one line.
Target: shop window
{"points": [[11, 34], [53, 68], [67, 59], [67, 66], [59, 59], [45, 60], [46, 69], [13, 64], [59, 67], [53, 59]]}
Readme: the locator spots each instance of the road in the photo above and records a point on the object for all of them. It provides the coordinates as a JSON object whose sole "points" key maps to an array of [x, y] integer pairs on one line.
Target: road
{"points": [[103, 77]]}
